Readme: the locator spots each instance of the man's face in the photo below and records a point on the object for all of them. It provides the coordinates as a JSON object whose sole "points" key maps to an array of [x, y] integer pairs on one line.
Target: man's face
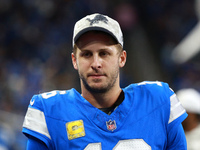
{"points": [[98, 61]]}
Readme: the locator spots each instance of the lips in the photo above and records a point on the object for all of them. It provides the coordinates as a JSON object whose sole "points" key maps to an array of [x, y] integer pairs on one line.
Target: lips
{"points": [[96, 75]]}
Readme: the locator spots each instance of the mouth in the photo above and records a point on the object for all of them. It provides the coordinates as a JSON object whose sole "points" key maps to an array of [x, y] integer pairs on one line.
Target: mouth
{"points": [[96, 76]]}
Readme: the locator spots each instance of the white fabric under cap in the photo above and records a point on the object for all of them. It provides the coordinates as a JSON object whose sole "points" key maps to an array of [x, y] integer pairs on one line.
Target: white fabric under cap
{"points": [[98, 22], [190, 99]]}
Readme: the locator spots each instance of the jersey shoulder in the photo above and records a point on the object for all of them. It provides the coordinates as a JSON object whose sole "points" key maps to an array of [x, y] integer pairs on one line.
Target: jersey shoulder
{"points": [[153, 89], [51, 98], [42, 107], [160, 94], [156, 87]]}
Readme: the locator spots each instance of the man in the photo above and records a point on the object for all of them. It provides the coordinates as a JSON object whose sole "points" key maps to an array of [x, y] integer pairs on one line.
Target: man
{"points": [[190, 99], [142, 116]]}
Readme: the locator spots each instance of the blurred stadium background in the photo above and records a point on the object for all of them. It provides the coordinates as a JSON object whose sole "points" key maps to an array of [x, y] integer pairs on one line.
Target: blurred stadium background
{"points": [[35, 48]]}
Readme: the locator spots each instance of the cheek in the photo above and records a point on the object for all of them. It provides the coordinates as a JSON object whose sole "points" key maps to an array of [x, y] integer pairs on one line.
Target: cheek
{"points": [[113, 65], [115, 62], [82, 65]]}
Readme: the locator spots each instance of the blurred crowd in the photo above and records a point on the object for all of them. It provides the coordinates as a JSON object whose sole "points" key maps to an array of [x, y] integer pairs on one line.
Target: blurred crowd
{"points": [[36, 46]]}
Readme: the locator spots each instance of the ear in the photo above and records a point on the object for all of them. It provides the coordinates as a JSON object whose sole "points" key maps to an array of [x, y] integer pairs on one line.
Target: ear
{"points": [[122, 59], [74, 61]]}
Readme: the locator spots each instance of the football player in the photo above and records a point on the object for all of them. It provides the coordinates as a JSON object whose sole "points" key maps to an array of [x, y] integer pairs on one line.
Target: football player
{"points": [[104, 116]]}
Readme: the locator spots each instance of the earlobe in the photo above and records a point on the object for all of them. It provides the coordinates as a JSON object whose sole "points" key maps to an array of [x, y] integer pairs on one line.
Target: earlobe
{"points": [[74, 61]]}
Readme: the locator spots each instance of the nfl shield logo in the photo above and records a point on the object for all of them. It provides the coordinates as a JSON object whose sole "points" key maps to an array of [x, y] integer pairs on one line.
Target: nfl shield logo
{"points": [[111, 125]]}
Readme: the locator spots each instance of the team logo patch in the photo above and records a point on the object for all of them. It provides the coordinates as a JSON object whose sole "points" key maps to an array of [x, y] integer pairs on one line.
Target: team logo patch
{"points": [[75, 129], [97, 19], [111, 125]]}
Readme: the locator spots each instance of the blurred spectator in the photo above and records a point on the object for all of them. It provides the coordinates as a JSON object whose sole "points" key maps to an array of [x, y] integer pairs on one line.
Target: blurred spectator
{"points": [[190, 99], [11, 137]]}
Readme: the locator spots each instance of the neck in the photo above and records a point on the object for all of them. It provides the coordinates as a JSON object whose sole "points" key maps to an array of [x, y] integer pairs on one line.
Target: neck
{"points": [[102, 100]]}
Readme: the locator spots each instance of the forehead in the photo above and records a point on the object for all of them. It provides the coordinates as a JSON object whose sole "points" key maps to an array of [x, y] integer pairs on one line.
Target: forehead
{"points": [[94, 37]]}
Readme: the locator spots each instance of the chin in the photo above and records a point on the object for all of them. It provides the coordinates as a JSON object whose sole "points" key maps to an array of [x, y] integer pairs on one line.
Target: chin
{"points": [[97, 89]]}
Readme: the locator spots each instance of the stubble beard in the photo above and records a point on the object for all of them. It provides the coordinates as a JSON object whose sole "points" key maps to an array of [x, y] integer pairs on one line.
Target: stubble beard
{"points": [[106, 86]]}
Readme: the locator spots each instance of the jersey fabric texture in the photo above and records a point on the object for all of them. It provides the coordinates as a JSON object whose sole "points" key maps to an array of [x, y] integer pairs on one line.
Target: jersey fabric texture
{"points": [[149, 118]]}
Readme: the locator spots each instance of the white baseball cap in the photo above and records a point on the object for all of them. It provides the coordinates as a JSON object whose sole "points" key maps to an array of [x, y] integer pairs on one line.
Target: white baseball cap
{"points": [[98, 22], [190, 99]]}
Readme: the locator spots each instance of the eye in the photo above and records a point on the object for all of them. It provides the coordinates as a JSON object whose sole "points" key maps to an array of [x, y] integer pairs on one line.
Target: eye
{"points": [[86, 54], [103, 53]]}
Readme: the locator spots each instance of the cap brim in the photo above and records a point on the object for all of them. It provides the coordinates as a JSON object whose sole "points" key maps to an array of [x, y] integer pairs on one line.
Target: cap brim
{"points": [[93, 29]]}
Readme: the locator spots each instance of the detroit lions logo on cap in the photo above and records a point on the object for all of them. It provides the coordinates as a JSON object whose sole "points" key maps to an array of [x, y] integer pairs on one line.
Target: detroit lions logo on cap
{"points": [[98, 18]]}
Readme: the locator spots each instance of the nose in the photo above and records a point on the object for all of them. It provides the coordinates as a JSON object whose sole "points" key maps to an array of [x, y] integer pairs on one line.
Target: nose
{"points": [[97, 63]]}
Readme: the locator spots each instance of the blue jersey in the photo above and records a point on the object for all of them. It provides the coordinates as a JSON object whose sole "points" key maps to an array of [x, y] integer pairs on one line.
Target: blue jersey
{"points": [[149, 118]]}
